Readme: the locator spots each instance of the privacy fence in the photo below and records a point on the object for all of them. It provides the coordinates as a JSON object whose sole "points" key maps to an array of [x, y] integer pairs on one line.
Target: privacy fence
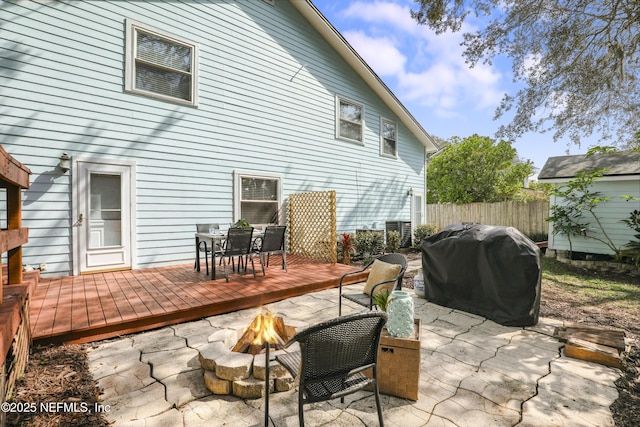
{"points": [[528, 217]]}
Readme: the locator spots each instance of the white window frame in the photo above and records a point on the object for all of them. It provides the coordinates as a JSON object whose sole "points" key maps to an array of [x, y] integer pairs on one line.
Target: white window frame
{"points": [[382, 138], [132, 29], [340, 99], [237, 191]]}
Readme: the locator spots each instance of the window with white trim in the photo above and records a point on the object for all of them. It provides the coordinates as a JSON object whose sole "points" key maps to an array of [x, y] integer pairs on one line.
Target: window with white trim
{"points": [[161, 65], [388, 138], [258, 197], [349, 120]]}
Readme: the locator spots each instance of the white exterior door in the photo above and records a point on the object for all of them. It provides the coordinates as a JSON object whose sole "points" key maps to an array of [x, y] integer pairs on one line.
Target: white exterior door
{"points": [[104, 213]]}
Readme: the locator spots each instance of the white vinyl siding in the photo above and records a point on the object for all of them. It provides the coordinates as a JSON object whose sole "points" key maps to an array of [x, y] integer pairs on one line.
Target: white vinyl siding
{"points": [[160, 65], [266, 104], [611, 214], [388, 138], [349, 120]]}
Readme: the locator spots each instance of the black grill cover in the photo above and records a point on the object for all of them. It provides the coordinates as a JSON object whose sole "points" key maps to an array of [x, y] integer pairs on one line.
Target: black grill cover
{"points": [[492, 271]]}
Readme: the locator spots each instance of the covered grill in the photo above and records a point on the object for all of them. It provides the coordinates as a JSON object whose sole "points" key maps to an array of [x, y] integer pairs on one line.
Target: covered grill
{"points": [[492, 271]]}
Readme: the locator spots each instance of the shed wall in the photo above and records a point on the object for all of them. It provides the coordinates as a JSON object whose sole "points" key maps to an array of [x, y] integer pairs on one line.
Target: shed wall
{"points": [[610, 213]]}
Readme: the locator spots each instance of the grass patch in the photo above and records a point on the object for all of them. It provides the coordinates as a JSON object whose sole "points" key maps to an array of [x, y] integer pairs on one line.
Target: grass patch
{"points": [[570, 278], [610, 298]]}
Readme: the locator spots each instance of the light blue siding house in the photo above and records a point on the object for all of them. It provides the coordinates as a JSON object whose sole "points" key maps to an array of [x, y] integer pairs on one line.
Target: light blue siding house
{"points": [[621, 178], [178, 112]]}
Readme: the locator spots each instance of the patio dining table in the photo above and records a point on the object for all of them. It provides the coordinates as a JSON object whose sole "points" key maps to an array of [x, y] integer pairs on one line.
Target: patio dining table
{"points": [[217, 240]]}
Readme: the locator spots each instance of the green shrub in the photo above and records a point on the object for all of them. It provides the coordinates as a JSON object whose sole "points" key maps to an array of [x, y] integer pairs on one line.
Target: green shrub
{"points": [[631, 250], [393, 241], [422, 232], [368, 244], [538, 237]]}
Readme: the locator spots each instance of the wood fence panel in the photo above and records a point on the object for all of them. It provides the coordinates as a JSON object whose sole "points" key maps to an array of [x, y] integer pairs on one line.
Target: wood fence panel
{"points": [[528, 217]]}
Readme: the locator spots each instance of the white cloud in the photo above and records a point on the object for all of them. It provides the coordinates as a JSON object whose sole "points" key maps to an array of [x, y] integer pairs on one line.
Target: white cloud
{"points": [[429, 68], [379, 52], [381, 11]]}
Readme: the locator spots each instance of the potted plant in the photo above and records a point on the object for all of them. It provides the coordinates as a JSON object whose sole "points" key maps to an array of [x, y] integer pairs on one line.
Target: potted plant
{"points": [[242, 223], [381, 299], [347, 247]]}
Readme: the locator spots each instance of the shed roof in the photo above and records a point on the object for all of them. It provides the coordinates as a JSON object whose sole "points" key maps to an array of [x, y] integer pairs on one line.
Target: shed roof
{"points": [[615, 164], [340, 44]]}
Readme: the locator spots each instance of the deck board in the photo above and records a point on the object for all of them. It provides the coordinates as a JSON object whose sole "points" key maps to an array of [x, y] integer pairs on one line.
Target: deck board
{"points": [[104, 305]]}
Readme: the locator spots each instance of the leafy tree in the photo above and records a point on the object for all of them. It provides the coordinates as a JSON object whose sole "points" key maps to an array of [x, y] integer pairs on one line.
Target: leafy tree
{"points": [[578, 61], [475, 169]]}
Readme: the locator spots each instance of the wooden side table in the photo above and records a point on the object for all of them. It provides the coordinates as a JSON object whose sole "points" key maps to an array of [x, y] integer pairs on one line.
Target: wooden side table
{"points": [[399, 364]]}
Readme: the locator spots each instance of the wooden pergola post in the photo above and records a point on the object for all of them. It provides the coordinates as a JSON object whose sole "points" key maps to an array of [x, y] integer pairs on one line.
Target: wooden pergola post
{"points": [[14, 222], [14, 176]]}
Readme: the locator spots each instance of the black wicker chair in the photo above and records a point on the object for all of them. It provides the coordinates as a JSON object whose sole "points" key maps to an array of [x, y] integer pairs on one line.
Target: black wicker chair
{"points": [[333, 356], [366, 300]]}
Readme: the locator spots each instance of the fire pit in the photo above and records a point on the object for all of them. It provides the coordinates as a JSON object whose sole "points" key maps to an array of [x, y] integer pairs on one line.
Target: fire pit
{"points": [[237, 367], [265, 328]]}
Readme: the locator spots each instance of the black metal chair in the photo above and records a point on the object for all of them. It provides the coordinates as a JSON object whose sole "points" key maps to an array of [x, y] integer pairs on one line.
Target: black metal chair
{"points": [[366, 300], [273, 242], [333, 356], [201, 245], [238, 243]]}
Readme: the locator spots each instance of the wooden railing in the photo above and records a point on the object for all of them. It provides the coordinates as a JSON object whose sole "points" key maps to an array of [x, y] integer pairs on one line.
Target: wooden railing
{"points": [[14, 177]]}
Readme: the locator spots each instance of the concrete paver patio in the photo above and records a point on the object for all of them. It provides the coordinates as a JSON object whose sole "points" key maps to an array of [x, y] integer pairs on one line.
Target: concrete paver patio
{"points": [[474, 372]]}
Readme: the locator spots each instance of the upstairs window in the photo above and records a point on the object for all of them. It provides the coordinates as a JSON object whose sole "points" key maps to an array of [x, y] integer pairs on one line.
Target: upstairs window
{"points": [[161, 65], [388, 138], [349, 120]]}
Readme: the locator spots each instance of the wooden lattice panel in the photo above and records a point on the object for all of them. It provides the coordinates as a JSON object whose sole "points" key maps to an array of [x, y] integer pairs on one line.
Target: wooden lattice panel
{"points": [[312, 225]]}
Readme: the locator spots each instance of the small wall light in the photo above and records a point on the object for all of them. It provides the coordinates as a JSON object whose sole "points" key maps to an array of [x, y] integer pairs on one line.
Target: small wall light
{"points": [[410, 192], [65, 163]]}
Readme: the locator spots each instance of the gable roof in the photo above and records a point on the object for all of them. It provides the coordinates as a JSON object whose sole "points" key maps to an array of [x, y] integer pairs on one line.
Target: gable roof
{"points": [[615, 164], [349, 54]]}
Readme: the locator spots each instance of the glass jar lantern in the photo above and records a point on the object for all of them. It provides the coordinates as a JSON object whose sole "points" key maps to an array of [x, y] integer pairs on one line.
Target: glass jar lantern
{"points": [[400, 312]]}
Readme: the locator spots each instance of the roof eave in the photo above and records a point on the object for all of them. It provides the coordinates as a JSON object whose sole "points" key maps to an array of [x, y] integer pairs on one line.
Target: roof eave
{"points": [[348, 53]]}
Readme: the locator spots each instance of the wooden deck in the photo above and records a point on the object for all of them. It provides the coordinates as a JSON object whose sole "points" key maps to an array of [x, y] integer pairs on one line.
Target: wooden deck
{"points": [[77, 309]]}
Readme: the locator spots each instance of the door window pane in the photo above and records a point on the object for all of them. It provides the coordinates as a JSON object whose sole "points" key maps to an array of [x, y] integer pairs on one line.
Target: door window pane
{"points": [[105, 212]]}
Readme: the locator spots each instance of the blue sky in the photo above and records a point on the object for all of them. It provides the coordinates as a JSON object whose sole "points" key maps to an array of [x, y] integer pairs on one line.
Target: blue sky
{"points": [[428, 73]]}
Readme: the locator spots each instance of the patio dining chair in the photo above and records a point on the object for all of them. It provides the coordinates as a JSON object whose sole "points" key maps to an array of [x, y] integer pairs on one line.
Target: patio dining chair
{"points": [[202, 246], [333, 356], [273, 242], [238, 243], [385, 275]]}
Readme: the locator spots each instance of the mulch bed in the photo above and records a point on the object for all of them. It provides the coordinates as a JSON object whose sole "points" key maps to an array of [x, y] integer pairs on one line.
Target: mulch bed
{"points": [[56, 390]]}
